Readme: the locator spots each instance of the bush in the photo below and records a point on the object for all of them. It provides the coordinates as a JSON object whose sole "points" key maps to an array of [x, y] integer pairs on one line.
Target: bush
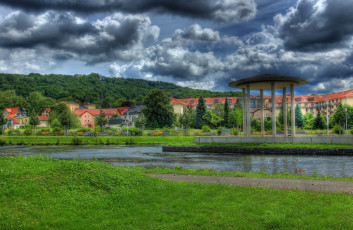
{"points": [[2, 142], [76, 141], [84, 129], [133, 131], [205, 128], [219, 130]]}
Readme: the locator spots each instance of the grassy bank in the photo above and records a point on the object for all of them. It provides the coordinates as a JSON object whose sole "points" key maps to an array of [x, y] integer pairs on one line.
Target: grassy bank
{"points": [[209, 172], [103, 140], [38, 193], [144, 140]]}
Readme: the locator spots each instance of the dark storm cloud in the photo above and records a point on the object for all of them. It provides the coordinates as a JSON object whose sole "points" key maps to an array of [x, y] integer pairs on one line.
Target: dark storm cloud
{"points": [[316, 25], [220, 11], [115, 37]]}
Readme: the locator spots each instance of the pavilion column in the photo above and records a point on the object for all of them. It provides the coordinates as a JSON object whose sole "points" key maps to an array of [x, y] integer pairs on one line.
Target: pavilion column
{"points": [[248, 118], [292, 109], [284, 101], [244, 112], [262, 112], [273, 88]]}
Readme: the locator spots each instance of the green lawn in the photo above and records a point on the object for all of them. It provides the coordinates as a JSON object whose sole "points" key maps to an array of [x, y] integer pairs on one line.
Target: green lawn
{"points": [[40, 193], [144, 140]]}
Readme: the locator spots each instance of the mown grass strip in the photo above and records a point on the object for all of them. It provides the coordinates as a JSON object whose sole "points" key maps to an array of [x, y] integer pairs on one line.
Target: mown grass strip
{"points": [[210, 172], [145, 140]]}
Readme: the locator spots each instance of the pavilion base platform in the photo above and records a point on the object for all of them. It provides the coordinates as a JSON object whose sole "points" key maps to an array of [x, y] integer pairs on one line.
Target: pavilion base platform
{"points": [[277, 139]]}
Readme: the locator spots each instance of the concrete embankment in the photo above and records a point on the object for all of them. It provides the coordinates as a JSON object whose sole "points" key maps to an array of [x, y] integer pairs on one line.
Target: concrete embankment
{"points": [[264, 151]]}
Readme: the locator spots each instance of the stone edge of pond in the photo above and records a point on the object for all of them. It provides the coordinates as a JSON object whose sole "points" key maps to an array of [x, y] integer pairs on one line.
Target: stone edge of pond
{"points": [[261, 151]]}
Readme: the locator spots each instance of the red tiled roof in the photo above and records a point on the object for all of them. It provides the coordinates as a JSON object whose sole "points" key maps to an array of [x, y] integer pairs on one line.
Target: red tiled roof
{"points": [[11, 111], [96, 112], [42, 118]]}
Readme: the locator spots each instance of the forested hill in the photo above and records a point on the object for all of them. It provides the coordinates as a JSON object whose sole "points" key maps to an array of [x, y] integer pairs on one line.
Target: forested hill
{"points": [[92, 87]]}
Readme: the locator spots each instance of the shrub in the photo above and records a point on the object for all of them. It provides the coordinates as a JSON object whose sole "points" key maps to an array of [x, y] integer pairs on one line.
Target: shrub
{"points": [[219, 130], [76, 141], [2, 142], [205, 128]]}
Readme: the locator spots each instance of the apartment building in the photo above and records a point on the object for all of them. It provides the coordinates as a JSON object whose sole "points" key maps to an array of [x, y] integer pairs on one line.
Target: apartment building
{"points": [[308, 103]]}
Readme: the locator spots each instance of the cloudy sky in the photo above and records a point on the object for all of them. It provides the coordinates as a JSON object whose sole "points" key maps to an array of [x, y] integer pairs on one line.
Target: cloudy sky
{"points": [[195, 43]]}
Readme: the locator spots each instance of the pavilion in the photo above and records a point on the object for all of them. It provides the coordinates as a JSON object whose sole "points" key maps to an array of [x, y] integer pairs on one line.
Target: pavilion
{"points": [[268, 82]]}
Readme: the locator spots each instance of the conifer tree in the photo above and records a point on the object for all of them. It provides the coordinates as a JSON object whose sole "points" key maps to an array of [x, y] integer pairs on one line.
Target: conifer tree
{"points": [[226, 114], [200, 112], [319, 122], [299, 119]]}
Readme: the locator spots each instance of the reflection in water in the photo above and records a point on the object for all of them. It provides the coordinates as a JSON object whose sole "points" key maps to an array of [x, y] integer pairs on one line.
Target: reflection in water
{"points": [[339, 166]]}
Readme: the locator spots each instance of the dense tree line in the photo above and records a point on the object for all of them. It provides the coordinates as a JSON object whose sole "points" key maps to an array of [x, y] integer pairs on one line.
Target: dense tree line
{"points": [[95, 87]]}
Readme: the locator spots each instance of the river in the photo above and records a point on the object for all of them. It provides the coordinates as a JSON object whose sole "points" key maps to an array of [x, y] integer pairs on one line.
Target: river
{"points": [[149, 156]]}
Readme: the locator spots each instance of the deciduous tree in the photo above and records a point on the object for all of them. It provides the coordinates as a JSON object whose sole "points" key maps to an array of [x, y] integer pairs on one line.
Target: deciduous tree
{"points": [[158, 112]]}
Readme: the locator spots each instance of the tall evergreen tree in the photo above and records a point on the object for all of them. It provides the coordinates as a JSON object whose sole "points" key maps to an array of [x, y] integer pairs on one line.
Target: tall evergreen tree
{"points": [[319, 122], [226, 114], [3, 121], [200, 112], [299, 119]]}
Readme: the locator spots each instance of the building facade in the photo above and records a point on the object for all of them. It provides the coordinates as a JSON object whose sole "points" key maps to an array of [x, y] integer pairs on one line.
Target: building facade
{"points": [[327, 103]]}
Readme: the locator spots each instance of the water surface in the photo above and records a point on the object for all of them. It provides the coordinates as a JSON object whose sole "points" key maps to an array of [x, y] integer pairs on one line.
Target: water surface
{"points": [[338, 166]]}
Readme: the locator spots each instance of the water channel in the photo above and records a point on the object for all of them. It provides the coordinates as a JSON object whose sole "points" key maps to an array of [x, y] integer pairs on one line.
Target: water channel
{"points": [[149, 156]]}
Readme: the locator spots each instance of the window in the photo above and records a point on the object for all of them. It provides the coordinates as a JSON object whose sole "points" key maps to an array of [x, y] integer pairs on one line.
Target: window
{"points": [[311, 99], [298, 99], [192, 102], [216, 101], [210, 107]]}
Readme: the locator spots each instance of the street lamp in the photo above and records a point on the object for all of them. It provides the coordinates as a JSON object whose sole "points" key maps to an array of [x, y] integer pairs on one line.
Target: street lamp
{"points": [[345, 109]]}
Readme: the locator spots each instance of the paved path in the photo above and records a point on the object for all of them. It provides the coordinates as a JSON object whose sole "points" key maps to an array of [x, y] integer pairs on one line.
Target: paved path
{"points": [[327, 186]]}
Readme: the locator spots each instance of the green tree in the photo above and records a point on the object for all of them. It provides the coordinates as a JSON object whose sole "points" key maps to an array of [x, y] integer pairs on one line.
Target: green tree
{"points": [[212, 119], [236, 118], [255, 124], [37, 102], [299, 119], [187, 119], [226, 114], [101, 121], [319, 122], [158, 112], [65, 119], [340, 117], [200, 112], [107, 102], [3, 121], [33, 120]]}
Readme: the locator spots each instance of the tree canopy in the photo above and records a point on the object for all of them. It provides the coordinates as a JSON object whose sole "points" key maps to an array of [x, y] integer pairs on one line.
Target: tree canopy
{"points": [[158, 112]]}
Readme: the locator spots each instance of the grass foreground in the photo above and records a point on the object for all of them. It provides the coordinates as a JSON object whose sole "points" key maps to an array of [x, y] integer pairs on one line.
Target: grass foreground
{"points": [[146, 140], [40, 193]]}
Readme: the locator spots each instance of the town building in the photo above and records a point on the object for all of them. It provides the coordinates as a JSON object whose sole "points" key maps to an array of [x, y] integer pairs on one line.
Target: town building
{"points": [[308, 103], [72, 105], [87, 116]]}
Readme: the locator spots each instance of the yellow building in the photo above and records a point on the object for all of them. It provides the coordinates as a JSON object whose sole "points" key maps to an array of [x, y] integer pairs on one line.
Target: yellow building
{"points": [[327, 103]]}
